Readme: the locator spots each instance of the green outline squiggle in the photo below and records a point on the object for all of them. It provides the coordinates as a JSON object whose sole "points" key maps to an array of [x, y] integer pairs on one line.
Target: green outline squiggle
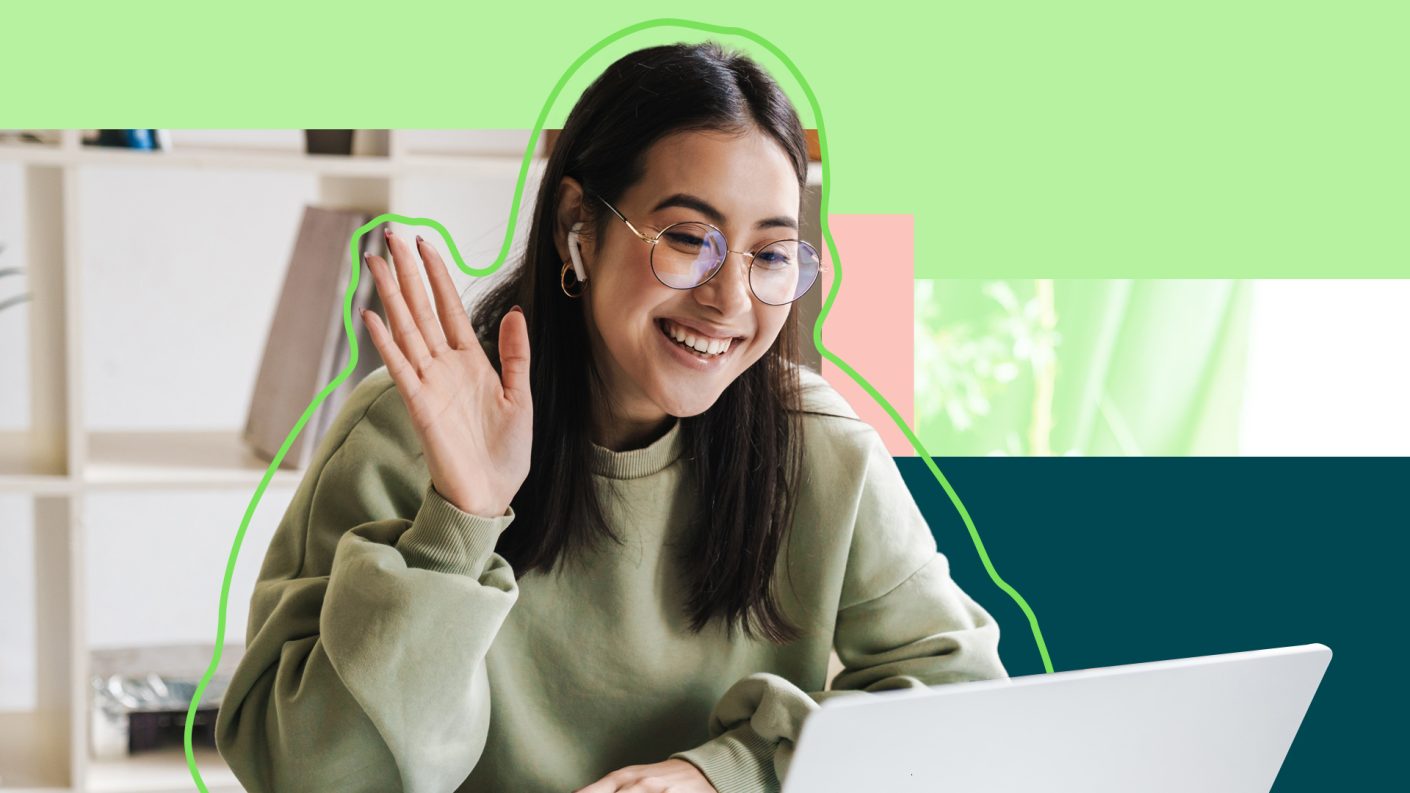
{"points": [[504, 254]]}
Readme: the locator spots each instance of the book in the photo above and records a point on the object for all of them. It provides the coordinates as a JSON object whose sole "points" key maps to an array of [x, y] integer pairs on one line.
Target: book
{"points": [[306, 346], [368, 358]]}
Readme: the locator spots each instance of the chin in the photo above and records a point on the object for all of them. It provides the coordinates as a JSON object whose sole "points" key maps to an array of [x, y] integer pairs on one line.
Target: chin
{"points": [[687, 404], [687, 408]]}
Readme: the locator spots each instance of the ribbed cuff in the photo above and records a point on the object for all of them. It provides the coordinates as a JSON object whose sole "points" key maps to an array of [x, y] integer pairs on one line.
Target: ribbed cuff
{"points": [[448, 540], [736, 761]]}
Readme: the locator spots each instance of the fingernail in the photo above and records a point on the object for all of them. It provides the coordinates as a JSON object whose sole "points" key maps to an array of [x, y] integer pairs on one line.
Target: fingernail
{"points": [[516, 308], [387, 230], [419, 240], [367, 256]]}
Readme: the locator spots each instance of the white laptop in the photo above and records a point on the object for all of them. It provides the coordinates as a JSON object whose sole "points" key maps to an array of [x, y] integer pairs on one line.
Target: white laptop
{"points": [[1214, 724]]}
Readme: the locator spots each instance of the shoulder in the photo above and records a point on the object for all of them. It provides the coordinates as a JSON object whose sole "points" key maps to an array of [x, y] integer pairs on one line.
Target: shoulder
{"points": [[853, 498], [842, 454], [367, 466], [820, 398], [832, 430], [371, 442]]}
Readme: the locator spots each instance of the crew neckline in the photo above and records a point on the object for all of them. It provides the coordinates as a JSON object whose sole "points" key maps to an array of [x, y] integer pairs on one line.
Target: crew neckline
{"points": [[636, 463]]}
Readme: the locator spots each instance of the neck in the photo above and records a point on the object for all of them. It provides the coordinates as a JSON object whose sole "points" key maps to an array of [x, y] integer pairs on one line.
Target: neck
{"points": [[630, 421], [626, 432]]}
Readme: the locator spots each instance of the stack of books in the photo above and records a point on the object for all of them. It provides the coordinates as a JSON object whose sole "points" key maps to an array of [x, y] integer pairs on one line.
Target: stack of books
{"points": [[307, 344]]}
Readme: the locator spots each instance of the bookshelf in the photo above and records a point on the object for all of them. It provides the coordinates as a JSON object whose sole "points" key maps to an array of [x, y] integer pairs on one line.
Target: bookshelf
{"points": [[68, 468]]}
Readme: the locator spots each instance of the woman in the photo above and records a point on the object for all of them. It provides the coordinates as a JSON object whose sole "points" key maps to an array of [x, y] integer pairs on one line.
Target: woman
{"points": [[557, 550]]}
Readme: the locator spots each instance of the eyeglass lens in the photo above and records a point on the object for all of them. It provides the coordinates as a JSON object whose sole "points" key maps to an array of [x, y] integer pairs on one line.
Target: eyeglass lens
{"points": [[690, 253]]}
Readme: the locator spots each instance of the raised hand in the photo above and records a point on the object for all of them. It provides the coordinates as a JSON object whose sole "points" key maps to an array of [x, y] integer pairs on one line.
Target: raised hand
{"points": [[476, 428]]}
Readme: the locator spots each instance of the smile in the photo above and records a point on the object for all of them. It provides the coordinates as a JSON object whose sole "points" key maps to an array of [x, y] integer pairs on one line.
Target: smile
{"points": [[688, 339]]}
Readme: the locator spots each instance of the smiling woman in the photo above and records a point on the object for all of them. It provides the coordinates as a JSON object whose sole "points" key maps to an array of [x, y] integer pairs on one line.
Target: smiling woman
{"points": [[698, 519], [626, 306]]}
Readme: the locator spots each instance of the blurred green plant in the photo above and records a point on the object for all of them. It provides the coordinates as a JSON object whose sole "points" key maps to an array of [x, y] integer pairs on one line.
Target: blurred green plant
{"points": [[1140, 367], [963, 364]]}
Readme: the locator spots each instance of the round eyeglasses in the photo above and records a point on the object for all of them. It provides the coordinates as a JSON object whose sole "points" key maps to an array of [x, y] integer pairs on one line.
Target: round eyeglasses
{"points": [[686, 255]]}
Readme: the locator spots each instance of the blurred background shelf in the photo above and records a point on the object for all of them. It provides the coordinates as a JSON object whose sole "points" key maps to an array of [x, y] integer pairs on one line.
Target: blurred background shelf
{"points": [[176, 459], [23, 468], [35, 484], [160, 771], [502, 164], [332, 164]]}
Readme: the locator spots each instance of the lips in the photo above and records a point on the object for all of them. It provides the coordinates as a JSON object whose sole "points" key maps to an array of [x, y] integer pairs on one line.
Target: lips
{"points": [[701, 329]]}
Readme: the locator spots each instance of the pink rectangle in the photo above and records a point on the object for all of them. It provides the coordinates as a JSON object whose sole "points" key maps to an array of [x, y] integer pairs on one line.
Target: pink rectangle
{"points": [[872, 323]]}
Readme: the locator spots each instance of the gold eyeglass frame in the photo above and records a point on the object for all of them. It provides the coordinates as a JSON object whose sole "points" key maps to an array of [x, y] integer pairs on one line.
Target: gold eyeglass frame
{"points": [[748, 255]]}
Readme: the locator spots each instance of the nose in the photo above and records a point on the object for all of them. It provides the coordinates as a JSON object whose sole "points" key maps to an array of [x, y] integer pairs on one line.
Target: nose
{"points": [[728, 292]]}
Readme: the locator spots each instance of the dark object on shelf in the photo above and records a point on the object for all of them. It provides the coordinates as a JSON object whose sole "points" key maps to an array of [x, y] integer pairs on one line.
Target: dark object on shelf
{"points": [[141, 695], [154, 729], [328, 141], [42, 137], [127, 138]]}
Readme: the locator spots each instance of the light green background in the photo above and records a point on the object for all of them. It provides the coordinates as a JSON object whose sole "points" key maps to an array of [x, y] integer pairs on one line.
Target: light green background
{"points": [[1029, 139]]}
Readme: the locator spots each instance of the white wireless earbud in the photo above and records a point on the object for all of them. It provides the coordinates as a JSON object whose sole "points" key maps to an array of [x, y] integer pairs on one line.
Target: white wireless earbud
{"points": [[575, 253]]}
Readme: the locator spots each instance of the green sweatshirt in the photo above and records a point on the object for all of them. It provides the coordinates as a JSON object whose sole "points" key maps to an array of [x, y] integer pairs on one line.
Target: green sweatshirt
{"points": [[390, 648]]}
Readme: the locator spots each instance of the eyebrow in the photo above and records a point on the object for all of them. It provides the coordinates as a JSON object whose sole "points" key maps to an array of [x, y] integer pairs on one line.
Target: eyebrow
{"points": [[705, 208]]}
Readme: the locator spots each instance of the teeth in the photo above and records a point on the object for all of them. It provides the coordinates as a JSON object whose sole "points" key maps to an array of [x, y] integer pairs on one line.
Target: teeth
{"points": [[698, 343]]}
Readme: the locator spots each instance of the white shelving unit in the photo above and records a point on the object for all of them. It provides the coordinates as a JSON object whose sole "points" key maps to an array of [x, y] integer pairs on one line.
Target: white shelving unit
{"points": [[60, 460]]}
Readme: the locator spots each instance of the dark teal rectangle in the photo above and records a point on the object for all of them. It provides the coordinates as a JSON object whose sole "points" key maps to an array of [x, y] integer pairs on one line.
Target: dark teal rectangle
{"points": [[1126, 560]]}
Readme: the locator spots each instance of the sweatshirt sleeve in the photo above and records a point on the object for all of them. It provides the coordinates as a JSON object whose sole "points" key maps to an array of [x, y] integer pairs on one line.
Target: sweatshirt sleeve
{"points": [[376, 604], [902, 622]]}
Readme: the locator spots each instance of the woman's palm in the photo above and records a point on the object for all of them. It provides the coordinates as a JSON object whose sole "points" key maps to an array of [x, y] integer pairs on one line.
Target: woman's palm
{"points": [[475, 427]]}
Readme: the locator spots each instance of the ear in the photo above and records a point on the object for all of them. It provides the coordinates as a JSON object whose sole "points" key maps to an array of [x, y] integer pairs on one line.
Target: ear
{"points": [[570, 210]]}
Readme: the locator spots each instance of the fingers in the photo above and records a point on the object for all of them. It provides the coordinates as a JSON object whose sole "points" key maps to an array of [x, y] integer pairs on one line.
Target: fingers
{"points": [[514, 356], [457, 326], [620, 780], [407, 336], [607, 784], [414, 292], [403, 374]]}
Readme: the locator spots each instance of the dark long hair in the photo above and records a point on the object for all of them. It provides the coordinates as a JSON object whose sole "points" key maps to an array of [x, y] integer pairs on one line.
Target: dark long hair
{"points": [[743, 451]]}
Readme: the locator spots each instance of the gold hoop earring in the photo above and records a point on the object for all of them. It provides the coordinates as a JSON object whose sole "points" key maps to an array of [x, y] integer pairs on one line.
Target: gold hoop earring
{"points": [[563, 281]]}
